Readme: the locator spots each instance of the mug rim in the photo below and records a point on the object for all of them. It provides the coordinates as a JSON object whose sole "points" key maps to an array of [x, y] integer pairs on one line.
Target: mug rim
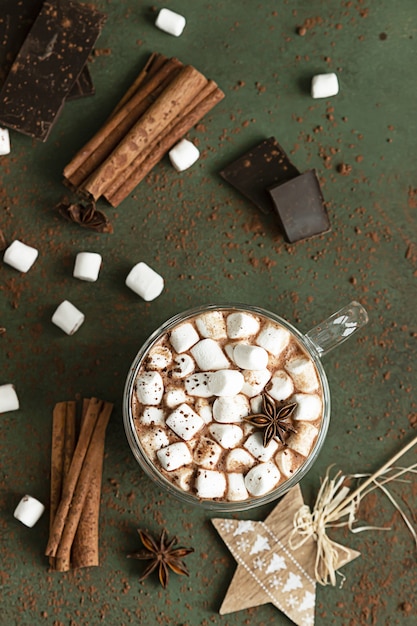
{"points": [[149, 467]]}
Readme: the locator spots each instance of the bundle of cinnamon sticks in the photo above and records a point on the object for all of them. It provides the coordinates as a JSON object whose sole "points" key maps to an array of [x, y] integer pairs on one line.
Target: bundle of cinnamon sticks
{"points": [[164, 102], [76, 475]]}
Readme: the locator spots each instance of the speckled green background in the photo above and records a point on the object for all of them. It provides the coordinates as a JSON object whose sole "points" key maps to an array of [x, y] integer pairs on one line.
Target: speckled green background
{"points": [[210, 245]]}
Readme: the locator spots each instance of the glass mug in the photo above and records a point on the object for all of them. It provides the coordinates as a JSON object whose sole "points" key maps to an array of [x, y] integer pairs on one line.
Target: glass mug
{"points": [[315, 343]]}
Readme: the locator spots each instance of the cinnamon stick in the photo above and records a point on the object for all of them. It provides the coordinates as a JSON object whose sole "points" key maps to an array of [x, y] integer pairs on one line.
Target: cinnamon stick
{"points": [[170, 103], [144, 163], [57, 460]]}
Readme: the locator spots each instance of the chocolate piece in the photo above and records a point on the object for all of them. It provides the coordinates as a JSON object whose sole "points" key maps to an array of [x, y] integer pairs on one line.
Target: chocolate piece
{"points": [[262, 167], [300, 207], [83, 86], [47, 66]]}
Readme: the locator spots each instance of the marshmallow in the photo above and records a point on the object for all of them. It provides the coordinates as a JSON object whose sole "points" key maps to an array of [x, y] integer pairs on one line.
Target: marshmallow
{"points": [[8, 398], [170, 22], [262, 478], [229, 349], [256, 404], [273, 338], [68, 318], [87, 266], [144, 281], [324, 85], [174, 396], [28, 511], [20, 256], [241, 325], [308, 407], [303, 373], [209, 355], [183, 155], [198, 385], [210, 484], [254, 445], [281, 386], [230, 409], [183, 337], [207, 453], [250, 357], [158, 358], [149, 388], [255, 381], [211, 325], [184, 422], [152, 416], [227, 435], [302, 441], [183, 477], [174, 456], [203, 408], [239, 460], [236, 489], [154, 439], [184, 365], [288, 461], [226, 382], [4, 142]]}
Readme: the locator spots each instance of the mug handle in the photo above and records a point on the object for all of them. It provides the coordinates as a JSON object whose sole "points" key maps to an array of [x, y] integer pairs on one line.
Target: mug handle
{"points": [[337, 328]]}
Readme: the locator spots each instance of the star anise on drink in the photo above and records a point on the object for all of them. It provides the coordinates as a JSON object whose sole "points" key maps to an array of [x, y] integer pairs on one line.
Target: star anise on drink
{"points": [[163, 555], [273, 419]]}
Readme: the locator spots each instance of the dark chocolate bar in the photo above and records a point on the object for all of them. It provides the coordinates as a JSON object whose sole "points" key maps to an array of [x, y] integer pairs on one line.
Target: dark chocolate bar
{"points": [[47, 66], [264, 166], [300, 207]]}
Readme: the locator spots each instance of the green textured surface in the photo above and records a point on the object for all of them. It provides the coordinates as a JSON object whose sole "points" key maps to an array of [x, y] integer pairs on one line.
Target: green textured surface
{"points": [[211, 245]]}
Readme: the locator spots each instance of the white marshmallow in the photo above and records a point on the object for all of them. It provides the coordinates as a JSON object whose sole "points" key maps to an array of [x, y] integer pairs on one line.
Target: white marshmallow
{"points": [[174, 456], [68, 318], [302, 441], [303, 373], [273, 338], [250, 357], [207, 453], [158, 358], [229, 349], [170, 22], [308, 407], [209, 355], [256, 404], [87, 266], [28, 511], [154, 439], [184, 366], [4, 141], [227, 435], [288, 462], [183, 155], [211, 325], [241, 325], [174, 397], [183, 337], [254, 445], [210, 484], [149, 388], [281, 386], [236, 489], [324, 85], [183, 477], [204, 409], [226, 382], [262, 478], [198, 385], [239, 460], [8, 398], [255, 381], [152, 416], [185, 422], [20, 256], [144, 281], [228, 410]]}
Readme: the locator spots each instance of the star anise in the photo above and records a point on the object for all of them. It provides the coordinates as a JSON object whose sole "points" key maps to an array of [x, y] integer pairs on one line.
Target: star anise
{"points": [[87, 216], [162, 554], [272, 419]]}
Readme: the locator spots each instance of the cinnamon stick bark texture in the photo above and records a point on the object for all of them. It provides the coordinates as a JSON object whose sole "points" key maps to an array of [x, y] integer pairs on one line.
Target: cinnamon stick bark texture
{"points": [[164, 102]]}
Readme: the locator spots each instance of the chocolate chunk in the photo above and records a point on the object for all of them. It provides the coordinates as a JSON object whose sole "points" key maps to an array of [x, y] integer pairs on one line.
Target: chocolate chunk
{"points": [[300, 207], [264, 166], [83, 86], [47, 65]]}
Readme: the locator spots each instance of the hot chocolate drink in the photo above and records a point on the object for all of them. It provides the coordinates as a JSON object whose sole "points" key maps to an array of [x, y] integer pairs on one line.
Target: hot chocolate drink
{"points": [[227, 405]]}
